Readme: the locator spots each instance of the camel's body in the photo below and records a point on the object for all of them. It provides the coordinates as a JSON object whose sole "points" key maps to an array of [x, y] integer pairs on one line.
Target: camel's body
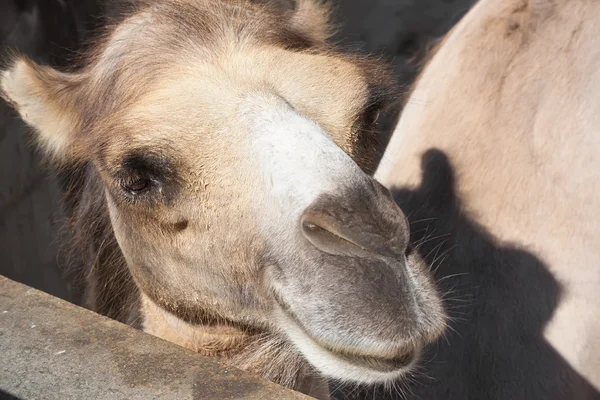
{"points": [[511, 98]]}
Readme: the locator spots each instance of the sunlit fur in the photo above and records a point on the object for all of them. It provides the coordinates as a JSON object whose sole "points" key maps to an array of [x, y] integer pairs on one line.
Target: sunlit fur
{"points": [[511, 98]]}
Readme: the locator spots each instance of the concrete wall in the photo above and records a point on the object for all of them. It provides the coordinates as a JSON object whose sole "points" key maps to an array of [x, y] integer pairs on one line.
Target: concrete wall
{"points": [[29, 194]]}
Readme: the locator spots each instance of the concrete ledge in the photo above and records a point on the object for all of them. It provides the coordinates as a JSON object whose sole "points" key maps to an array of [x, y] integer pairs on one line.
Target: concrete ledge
{"points": [[52, 349]]}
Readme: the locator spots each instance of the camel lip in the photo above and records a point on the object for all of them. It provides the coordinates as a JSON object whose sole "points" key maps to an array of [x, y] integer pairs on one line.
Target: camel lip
{"points": [[371, 362], [377, 363]]}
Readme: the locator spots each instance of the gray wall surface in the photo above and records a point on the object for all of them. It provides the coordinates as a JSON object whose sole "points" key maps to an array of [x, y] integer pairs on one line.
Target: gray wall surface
{"points": [[48, 31]]}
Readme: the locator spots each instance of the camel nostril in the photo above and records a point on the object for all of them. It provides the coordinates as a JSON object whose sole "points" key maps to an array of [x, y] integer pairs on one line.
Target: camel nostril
{"points": [[363, 221], [310, 227], [339, 235], [327, 240]]}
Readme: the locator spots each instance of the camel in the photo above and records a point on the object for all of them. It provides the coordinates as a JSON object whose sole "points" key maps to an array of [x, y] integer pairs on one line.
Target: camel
{"points": [[220, 196], [495, 159]]}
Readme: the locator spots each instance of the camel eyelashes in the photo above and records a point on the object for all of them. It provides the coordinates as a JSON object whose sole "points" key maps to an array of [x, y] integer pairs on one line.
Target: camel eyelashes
{"points": [[141, 173], [137, 185]]}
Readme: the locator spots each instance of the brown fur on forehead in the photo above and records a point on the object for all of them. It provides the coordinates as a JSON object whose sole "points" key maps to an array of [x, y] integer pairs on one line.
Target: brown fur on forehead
{"points": [[190, 111], [147, 37], [146, 45], [183, 27]]}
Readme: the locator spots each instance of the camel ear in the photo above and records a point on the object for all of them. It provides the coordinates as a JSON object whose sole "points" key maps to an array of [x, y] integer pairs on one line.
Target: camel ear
{"points": [[313, 18], [46, 100], [309, 17]]}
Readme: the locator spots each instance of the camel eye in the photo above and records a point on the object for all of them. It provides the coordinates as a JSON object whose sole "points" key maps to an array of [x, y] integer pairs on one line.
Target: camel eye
{"points": [[370, 117], [137, 185], [143, 174], [375, 117]]}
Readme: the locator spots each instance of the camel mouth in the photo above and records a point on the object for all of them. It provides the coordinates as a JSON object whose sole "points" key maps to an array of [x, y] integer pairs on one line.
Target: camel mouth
{"points": [[348, 364], [377, 363]]}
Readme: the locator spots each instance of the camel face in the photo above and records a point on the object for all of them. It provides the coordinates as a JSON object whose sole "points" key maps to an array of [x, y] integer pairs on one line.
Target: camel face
{"points": [[226, 139]]}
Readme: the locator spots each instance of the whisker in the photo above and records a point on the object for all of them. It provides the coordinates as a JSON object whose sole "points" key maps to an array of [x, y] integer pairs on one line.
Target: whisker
{"points": [[452, 276]]}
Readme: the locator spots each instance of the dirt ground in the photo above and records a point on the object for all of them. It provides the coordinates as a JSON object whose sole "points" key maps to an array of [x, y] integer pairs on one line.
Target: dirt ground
{"points": [[30, 211]]}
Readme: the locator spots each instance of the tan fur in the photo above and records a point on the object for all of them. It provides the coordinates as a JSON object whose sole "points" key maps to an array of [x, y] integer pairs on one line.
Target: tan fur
{"points": [[210, 341], [511, 98]]}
